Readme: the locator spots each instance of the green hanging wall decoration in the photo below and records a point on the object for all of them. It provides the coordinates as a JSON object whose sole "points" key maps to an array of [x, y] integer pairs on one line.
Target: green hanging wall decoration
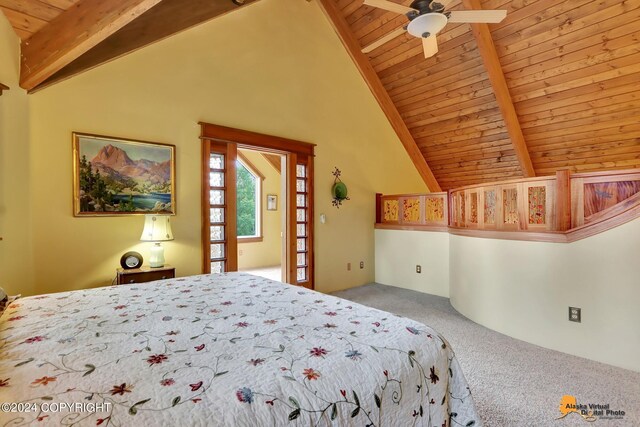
{"points": [[339, 189]]}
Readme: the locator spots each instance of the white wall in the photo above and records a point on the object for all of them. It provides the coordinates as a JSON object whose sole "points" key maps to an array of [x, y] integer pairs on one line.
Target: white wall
{"points": [[398, 252], [524, 289]]}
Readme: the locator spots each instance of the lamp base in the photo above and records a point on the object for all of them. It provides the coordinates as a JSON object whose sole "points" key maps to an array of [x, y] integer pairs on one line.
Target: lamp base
{"points": [[156, 260]]}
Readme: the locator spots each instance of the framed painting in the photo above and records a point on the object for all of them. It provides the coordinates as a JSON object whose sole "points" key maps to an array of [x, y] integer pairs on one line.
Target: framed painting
{"points": [[117, 176]]}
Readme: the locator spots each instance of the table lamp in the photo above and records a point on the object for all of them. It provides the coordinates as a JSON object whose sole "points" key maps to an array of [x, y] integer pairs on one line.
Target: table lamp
{"points": [[157, 228]]}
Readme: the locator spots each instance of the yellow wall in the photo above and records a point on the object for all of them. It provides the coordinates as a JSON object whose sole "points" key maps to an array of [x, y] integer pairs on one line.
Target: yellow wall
{"points": [[268, 252], [16, 268], [274, 67]]}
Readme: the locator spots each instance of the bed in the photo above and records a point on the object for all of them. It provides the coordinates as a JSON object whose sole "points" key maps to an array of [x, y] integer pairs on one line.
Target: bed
{"points": [[228, 350]]}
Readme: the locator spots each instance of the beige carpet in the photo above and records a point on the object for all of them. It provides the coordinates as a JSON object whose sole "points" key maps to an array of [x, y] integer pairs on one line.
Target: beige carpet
{"points": [[514, 383]]}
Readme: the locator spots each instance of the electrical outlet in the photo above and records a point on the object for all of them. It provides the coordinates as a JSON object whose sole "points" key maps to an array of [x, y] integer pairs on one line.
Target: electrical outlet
{"points": [[348, 266], [361, 265], [418, 269], [575, 314]]}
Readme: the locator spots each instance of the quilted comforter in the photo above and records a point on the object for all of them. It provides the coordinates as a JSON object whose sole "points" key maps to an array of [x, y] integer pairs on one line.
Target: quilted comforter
{"points": [[223, 350]]}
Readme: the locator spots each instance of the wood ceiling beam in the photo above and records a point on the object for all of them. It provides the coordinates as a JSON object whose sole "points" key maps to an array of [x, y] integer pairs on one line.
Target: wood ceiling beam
{"points": [[73, 33], [164, 20], [352, 46], [274, 160], [491, 61]]}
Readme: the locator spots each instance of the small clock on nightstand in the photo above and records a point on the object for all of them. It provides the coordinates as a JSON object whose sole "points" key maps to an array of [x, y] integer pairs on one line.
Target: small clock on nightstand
{"points": [[145, 274]]}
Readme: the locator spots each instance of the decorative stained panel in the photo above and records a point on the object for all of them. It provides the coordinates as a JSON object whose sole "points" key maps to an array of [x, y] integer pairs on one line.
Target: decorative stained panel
{"points": [[537, 205], [411, 209], [490, 207], [510, 205], [434, 209], [390, 210], [463, 208], [473, 208]]}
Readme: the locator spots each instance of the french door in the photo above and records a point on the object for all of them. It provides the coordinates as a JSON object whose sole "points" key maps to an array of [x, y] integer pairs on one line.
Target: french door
{"points": [[219, 233]]}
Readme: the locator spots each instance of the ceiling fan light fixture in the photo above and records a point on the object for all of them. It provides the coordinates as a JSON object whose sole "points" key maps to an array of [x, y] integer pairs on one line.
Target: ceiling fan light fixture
{"points": [[430, 23]]}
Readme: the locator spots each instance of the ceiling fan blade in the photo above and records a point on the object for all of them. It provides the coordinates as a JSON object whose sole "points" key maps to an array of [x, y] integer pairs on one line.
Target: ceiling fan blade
{"points": [[430, 46], [390, 6], [478, 16], [384, 39]]}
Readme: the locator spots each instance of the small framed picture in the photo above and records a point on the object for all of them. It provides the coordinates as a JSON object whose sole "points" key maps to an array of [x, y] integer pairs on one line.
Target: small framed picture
{"points": [[272, 202]]}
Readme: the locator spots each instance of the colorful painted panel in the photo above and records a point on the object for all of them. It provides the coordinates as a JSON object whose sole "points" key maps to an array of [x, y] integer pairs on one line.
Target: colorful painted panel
{"points": [[473, 210], [390, 209], [601, 196], [510, 205], [434, 209], [537, 205], [463, 208], [411, 209], [490, 207]]}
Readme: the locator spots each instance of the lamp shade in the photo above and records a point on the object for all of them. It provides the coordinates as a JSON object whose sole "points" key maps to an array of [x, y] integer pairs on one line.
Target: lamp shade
{"points": [[157, 228]]}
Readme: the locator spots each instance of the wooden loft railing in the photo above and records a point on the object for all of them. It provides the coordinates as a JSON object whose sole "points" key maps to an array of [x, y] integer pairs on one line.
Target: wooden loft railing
{"points": [[562, 208]]}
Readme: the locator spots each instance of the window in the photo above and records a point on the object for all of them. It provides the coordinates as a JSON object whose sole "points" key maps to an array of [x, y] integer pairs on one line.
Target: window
{"points": [[249, 186]]}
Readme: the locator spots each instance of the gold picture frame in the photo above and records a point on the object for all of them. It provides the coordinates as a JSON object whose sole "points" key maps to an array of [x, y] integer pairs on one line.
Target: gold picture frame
{"points": [[119, 176]]}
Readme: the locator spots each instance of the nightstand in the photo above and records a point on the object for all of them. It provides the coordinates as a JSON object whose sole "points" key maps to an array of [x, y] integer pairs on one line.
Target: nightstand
{"points": [[145, 274]]}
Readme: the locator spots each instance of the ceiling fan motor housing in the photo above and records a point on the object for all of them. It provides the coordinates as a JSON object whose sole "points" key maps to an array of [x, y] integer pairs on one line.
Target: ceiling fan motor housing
{"points": [[426, 6]]}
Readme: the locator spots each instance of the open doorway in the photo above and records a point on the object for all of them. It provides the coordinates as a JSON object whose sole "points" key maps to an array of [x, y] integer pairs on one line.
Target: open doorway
{"points": [[222, 151], [261, 213]]}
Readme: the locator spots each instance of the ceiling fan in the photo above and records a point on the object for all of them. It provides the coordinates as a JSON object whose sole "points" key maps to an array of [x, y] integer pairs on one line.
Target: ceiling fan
{"points": [[427, 18]]}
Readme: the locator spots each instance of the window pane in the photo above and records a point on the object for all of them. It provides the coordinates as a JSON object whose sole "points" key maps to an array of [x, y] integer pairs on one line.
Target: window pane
{"points": [[301, 185], [217, 232], [216, 161], [302, 230], [216, 215], [301, 200], [301, 171], [302, 259], [216, 197], [301, 215], [217, 267], [247, 187], [302, 274], [217, 250], [216, 179], [302, 244]]}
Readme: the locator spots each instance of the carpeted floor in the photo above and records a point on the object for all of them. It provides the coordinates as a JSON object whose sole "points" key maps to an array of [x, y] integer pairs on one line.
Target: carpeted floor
{"points": [[514, 383]]}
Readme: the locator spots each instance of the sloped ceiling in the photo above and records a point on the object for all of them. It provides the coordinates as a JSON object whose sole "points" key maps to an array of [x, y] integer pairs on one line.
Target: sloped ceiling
{"points": [[572, 73], [572, 70]]}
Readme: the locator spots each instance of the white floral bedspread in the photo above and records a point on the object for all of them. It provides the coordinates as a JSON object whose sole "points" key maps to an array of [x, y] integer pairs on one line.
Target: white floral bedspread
{"points": [[227, 350]]}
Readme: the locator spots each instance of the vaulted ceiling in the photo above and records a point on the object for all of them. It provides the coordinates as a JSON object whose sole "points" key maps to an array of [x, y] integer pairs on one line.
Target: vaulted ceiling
{"points": [[572, 74], [555, 85]]}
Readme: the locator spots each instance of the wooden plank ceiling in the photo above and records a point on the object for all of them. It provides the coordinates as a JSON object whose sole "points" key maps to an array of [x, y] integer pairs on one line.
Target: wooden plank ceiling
{"points": [[572, 70]]}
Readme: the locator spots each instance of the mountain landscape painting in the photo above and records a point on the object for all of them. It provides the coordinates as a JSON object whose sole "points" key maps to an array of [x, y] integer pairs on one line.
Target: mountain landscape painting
{"points": [[117, 176]]}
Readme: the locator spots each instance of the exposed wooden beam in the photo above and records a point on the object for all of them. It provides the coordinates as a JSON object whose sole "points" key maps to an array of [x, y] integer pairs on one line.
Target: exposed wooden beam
{"points": [[503, 97], [367, 71], [72, 33], [274, 160], [164, 20]]}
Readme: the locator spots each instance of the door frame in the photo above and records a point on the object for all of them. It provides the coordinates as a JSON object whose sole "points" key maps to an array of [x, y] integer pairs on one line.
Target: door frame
{"points": [[296, 152]]}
